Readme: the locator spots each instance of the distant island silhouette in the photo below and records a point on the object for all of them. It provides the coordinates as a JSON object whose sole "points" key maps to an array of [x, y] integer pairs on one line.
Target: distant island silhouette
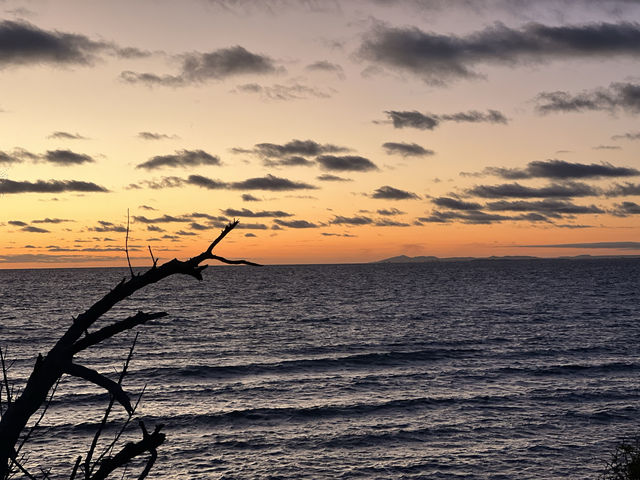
{"points": [[431, 258]]}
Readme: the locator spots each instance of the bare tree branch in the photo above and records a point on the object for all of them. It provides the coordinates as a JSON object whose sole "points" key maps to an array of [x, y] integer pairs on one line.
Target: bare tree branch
{"points": [[234, 262], [149, 443], [58, 360], [111, 330], [94, 377], [75, 468], [155, 260]]}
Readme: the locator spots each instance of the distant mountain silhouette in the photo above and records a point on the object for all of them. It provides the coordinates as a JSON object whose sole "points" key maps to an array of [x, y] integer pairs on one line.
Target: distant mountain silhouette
{"points": [[431, 258]]}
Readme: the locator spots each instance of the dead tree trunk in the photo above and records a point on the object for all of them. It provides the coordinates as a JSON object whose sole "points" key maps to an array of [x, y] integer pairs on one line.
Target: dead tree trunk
{"points": [[59, 360]]}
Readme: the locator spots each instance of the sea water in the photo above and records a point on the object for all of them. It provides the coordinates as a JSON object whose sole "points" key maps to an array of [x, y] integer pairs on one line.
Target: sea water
{"points": [[480, 369]]}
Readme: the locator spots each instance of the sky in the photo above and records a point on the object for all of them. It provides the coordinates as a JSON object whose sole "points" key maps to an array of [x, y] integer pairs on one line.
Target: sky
{"points": [[335, 131]]}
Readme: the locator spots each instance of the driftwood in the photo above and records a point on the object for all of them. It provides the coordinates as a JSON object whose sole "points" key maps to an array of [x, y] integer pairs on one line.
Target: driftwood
{"points": [[60, 360]]}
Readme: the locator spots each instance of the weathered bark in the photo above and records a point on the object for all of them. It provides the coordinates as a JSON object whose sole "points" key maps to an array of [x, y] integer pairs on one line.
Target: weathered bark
{"points": [[50, 368]]}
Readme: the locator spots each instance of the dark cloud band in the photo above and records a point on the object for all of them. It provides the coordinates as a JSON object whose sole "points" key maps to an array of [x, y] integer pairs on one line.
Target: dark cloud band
{"points": [[48, 186], [438, 59]]}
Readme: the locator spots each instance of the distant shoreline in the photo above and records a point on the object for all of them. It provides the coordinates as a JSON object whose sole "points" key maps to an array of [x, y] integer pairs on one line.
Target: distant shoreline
{"points": [[430, 259], [391, 260]]}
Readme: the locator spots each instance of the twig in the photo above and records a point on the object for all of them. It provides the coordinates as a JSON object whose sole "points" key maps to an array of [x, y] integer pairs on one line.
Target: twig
{"points": [[155, 260], [44, 411], [23, 470], [88, 468], [149, 442], [152, 457], [75, 468], [5, 377], [109, 448], [126, 245]]}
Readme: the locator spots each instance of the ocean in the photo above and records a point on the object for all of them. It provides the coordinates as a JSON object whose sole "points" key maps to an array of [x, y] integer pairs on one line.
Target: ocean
{"points": [[487, 369]]}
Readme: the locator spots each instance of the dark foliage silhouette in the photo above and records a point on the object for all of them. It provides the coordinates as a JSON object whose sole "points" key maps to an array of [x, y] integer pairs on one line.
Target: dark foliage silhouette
{"points": [[624, 463]]}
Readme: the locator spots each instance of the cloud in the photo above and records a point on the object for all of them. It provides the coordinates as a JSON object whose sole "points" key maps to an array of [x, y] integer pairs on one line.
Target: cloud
{"points": [[438, 59], [247, 197], [261, 214], [165, 182], [58, 135], [609, 245], [32, 229], [346, 163], [429, 121], [455, 204], [413, 119], [294, 161], [623, 190], [147, 207], [162, 219], [23, 43], [271, 182], [326, 66], [356, 221], [17, 223], [48, 186], [206, 182], [108, 227], [390, 212], [280, 92], [474, 116], [391, 193], [307, 148], [477, 217], [295, 223], [326, 234], [561, 170], [385, 222], [56, 157], [245, 226], [406, 149], [607, 147], [618, 96], [207, 216], [8, 158], [156, 136], [625, 209], [548, 207], [332, 178], [51, 259], [199, 226], [52, 220], [568, 189], [182, 158], [66, 157], [249, 235], [153, 228], [201, 67], [627, 136]]}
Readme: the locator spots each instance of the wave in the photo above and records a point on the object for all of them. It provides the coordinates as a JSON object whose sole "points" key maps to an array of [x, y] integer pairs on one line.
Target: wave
{"points": [[367, 361]]}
